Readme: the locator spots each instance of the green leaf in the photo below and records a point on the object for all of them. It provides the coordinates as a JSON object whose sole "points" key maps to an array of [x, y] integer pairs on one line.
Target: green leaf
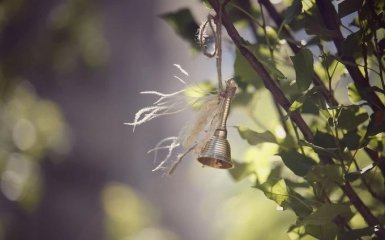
{"points": [[327, 60], [261, 52], [326, 231], [376, 124], [184, 25], [296, 162], [316, 148], [272, 69], [244, 73], [351, 45], [254, 138], [297, 203], [357, 233], [353, 94], [297, 104], [352, 140], [354, 122], [352, 176], [303, 65], [328, 142], [275, 190], [314, 26], [349, 117], [288, 142], [325, 179], [327, 213], [278, 191], [381, 43], [324, 140], [325, 174], [241, 170], [309, 102], [294, 10], [348, 6], [332, 65]]}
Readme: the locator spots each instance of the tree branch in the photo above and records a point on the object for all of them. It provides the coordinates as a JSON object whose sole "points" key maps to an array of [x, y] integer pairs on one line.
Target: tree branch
{"points": [[245, 4], [295, 116], [376, 159], [278, 22], [316, 80], [269, 83], [331, 21]]}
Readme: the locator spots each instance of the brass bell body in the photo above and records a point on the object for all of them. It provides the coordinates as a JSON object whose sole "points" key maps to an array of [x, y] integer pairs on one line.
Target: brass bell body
{"points": [[217, 153]]}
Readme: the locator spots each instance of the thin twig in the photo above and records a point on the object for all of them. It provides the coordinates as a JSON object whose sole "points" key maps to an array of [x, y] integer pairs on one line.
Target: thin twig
{"points": [[246, 4], [265, 33], [269, 83], [279, 22], [330, 19], [295, 116], [376, 159], [250, 17]]}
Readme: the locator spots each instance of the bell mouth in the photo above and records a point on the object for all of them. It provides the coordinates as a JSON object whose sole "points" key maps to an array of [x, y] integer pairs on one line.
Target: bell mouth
{"points": [[215, 162]]}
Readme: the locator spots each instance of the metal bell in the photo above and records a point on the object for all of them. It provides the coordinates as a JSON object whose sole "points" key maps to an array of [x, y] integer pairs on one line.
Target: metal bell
{"points": [[217, 153]]}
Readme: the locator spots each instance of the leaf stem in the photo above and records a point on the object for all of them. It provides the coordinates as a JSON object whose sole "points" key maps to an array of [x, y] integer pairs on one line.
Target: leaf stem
{"points": [[331, 21], [251, 20], [259, 68], [265, 33], [295, 116], [279, 22]]}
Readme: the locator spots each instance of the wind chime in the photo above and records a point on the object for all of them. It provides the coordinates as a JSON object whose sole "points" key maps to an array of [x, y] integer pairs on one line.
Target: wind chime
{"points": [[216, 152], [207, 136]]}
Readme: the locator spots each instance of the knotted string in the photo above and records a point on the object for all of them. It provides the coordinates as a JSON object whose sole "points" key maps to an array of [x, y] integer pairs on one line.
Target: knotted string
{"points": [[217, 34]]}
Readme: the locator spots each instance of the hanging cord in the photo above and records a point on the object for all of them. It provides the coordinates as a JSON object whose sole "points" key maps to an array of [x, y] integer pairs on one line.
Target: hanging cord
{"points": [[219, 50], [202, 36], [217, 34]]}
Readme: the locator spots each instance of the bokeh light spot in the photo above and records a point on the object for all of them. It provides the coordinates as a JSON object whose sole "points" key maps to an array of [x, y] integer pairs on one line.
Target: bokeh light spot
{"points": [[24, 134], [15, 176]]}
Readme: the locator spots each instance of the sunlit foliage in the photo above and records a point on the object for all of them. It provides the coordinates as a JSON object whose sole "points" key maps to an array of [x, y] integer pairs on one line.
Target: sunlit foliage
{"points": [[327, 58]]}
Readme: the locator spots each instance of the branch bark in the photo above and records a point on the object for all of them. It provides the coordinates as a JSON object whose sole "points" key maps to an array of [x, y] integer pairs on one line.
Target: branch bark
{"points": [[278, 22], [316, 80], [269, 83], [331, 21], [246, 5], [279, 96], [380, 161]]}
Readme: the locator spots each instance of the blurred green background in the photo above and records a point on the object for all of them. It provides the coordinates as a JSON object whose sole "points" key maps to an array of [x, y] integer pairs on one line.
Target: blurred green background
{"points": [[70, 76]]}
